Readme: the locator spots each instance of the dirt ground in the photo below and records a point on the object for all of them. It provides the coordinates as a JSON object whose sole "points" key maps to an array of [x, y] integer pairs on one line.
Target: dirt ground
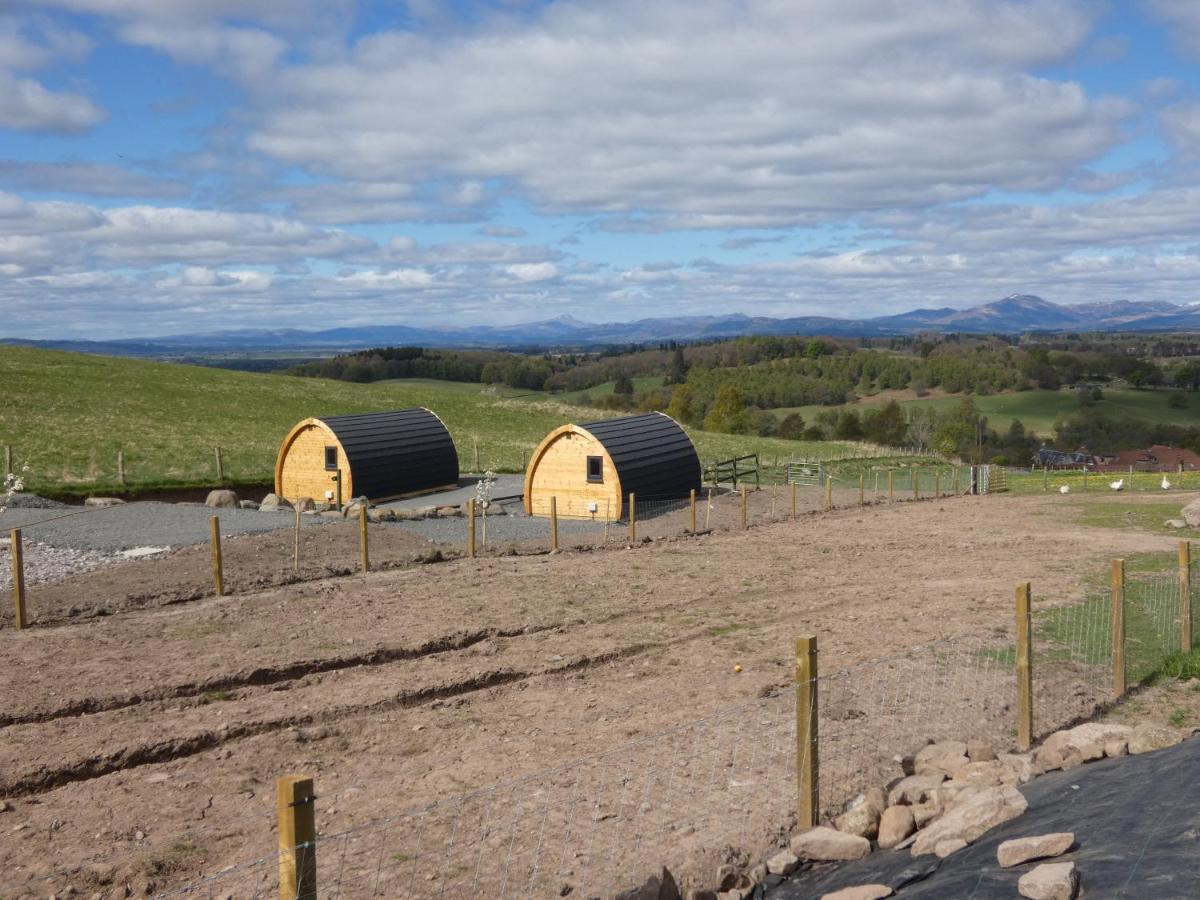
{"points": [[139, 750]]}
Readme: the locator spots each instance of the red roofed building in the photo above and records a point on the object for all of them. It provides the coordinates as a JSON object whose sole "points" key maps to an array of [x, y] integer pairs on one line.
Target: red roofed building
{"points": [[1158, 458]]}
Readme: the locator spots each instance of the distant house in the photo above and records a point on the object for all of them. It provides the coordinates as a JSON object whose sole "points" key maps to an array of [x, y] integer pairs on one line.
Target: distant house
{"points": [[1158, 458]]}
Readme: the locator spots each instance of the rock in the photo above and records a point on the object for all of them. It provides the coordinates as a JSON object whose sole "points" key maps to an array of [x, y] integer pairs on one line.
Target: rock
{"points": [[247, 504], [1191, 514], [1050, 881], [861, 819], [448, 512], [1175, 523], [1083, 741], [656, 887], [221, 499], [273, 502], [350, 510], [823, 844], [895, 825], [1022, 850], [305, 504], [861, 892], [972, 817], [1022, 765], [946, 758], [980, 751], [945, 848], [428, 512], [987, 774], [4, 806], [1147, 737], [924, 813], [102, 502], [1116, 747], [913, 788], [783, 863]]}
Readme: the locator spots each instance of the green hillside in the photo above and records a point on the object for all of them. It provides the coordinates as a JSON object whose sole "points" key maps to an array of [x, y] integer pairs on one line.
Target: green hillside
{"points": [[67, 415], [1038, 410]]}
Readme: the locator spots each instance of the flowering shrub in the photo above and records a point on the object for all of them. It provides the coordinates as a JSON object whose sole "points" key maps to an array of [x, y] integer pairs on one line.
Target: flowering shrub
{"points": [[483, 488], [14, 483]]}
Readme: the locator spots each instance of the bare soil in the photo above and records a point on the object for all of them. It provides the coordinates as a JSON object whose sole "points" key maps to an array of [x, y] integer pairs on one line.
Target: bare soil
{"points": [[139, 750]]}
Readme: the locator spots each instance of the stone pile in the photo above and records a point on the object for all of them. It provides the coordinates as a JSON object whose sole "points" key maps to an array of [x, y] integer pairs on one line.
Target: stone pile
{"points": [[951, 793]]}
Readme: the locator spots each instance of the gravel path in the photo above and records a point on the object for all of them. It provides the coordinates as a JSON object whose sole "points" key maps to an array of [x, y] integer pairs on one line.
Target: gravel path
{"points": [[135, 525], [43, 563]]}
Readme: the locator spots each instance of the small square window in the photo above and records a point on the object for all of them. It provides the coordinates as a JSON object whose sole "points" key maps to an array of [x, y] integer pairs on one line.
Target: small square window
{"points": [[331, 458], [595, 469]]}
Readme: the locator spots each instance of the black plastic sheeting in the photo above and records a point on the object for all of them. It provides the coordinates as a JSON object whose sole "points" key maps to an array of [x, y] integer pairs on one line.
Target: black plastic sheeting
{"points": [[1137, 834], [653, 456]]}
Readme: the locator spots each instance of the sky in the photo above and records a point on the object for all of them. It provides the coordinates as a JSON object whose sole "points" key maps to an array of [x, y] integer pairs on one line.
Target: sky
{"points": [[181, 166]]}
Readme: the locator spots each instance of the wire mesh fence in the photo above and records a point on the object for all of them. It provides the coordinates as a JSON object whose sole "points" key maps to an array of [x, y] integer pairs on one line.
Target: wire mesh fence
{"points": [[1034, 481]]}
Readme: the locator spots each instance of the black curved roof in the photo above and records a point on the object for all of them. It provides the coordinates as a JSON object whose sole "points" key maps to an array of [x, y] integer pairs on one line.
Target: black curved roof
{"points": [[653, 456], [398, 452]]}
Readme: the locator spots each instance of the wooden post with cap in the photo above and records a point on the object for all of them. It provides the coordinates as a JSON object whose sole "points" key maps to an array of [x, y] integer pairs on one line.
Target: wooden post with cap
{"points": [[745, 516], [17, 558], [554, 523], [1185, 597], [214, 524], [632, 519], [471, 528], [364, 553], [692, 508], [295, 804]]}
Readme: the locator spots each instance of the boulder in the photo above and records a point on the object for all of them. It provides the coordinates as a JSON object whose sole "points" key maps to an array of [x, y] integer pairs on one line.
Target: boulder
{"points": [[895, 825], [986, 774], [823, 844], [945, 758], [1147, 737], [971, 818], [945, 848], [102, 502], [924, 813], [247, 504], [222, 499], [980, 751], [305, 504], [783, 863], [1083, 742], [351, 509], [913, 788], [1191, 514], [1050, 881], [449, 512], [861, 818], [1022, 850], [1175, 523], [1116, 747], [272, 503], [861, 892], [1022, 765]]}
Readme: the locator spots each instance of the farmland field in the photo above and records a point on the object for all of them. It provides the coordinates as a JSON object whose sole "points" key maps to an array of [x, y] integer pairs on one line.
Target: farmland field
{"points": [[1037, 410], [146, 742], [67, 416]]}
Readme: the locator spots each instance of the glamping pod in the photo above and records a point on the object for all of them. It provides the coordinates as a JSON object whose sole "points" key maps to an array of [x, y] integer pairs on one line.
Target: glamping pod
{"points": [[380, 456], [592, 469]]}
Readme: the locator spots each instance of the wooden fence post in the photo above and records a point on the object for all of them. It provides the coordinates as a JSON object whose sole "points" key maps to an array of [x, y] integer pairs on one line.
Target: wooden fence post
{"points": [[296, 544], [1118, 627], [471, 528], [807, 758], [745, 517], [295, 804], [362, 538], [891, 488], [475, 441], [956, 481], [916, 480], [632, 519], [17, 558], [937, 484], [553, 523], [708, 509], [692, 507], [607, 518], [862, 488], [1024, 668], [218, 573], [1185, 596], [8, 460], [773, 501], [793, 501], [121, 467], [829, 492], [220, 466]]}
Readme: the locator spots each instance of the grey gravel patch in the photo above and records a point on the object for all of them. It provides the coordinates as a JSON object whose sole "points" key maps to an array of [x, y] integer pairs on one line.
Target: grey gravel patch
{"points": [[144, 524], [32, 501], [43, 563]]}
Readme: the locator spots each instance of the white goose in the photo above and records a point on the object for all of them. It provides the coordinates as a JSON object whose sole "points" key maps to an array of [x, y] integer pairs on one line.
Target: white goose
{"points": [[1118, 484], [1065, 489], [1166, 485]]}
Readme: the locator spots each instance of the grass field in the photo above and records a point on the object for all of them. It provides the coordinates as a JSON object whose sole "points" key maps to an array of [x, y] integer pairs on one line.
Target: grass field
{"points": [[67, 415], [1038, 410]]}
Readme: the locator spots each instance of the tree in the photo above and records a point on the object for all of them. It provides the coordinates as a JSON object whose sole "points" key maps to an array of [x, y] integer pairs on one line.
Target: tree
{"points": [[792, 427], [728, 413], [848, 427], [886, 426], [677, 374], [681, 407], [623, 385]]}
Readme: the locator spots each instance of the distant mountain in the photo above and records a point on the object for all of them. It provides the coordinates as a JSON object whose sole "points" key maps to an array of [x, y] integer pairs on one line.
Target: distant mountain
{"points": [[1015, 314]]}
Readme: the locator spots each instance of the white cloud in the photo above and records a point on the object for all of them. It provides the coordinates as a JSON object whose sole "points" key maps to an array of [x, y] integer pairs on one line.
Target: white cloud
{"points": [[532, 271], [1183, 17], [702, 115]]}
